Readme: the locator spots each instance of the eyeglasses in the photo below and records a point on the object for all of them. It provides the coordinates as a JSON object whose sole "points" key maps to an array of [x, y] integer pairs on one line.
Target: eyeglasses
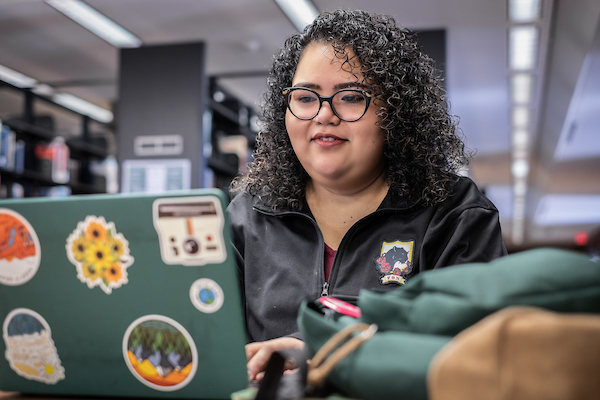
{"points": [[347, 104]]}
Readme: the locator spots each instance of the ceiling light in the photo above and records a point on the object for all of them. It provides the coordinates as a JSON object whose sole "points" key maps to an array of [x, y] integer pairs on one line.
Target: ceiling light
{"points": [[520, 187], [300, 12], [43, 89], [16, 78], [524, 10], [520, 137], [523, 42], [520, 117], [521, 85], [95, 22], [83, 107], [520, 168]]}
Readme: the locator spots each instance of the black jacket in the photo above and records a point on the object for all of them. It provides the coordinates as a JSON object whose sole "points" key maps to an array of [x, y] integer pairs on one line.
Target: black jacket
{"points": [[281, 253]]}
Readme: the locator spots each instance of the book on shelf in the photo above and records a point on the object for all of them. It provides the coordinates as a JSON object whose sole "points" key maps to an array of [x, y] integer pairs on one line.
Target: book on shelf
{"points": [[53, 160], [8, 140]]}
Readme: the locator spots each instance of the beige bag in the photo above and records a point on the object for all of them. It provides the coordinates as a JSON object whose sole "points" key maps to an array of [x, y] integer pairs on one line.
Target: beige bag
{"points": [[520, 353]]}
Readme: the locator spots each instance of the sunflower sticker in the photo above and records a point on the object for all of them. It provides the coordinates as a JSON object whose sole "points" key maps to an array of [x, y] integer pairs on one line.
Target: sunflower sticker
{"points": [[30, 349], [160, 353], [20, 251], [100, 254]]}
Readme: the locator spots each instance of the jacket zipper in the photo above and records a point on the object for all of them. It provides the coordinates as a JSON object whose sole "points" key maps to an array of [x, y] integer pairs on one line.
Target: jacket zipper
{"points": [[325, 287]]}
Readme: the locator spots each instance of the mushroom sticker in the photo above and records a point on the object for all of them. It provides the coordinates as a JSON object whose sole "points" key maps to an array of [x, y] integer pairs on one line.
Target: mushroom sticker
{"points": [[99, 253], [160, 353], [20, 251], [30, 350]]}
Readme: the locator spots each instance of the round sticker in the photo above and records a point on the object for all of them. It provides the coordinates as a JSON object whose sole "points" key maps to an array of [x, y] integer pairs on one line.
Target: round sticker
{"points": [[30, 349], [20, 251], [160, 353], [206, 295]]}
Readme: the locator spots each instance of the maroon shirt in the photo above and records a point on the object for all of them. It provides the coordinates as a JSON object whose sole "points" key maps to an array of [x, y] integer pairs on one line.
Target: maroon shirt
{"points": [[329, 256]]}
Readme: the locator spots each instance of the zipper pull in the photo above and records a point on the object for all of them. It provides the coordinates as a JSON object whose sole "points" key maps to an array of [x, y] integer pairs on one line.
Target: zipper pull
{"points": [[325, 291]]}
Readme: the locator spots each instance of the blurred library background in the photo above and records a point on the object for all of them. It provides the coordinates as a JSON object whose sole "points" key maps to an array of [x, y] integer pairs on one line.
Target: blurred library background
{"points": [[169, 97]]}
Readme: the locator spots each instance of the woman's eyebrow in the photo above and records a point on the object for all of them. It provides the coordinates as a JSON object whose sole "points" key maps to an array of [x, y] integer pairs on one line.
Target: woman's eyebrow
{"points": [[347, 85], [308, 85], [338, 86]]}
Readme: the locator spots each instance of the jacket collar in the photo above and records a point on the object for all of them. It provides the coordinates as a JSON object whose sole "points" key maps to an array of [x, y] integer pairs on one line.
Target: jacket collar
{"points": [[390, 202]]}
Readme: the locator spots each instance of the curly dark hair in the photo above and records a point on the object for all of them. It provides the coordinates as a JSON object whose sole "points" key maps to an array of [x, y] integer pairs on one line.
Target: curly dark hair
{"points": [[422, 150]]}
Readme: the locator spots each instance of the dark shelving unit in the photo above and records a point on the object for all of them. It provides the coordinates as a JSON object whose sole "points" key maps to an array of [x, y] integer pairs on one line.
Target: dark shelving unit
{"points": [[230, 117], [29, 130]]}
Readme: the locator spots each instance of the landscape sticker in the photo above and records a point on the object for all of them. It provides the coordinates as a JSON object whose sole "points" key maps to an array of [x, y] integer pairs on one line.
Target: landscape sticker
{"points": [[99, 253], [30, 350], [160, 353], [20, 251]]}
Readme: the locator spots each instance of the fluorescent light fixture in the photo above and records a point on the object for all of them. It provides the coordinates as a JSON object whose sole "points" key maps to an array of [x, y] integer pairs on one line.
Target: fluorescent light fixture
{"points": [[524, 10], [521, 85], [16, 78], [520, 168], [520, 187], [520, 137], [300, 12], [523, 44], [43, 90], [95, 22], [83, 107], [520, 117]]}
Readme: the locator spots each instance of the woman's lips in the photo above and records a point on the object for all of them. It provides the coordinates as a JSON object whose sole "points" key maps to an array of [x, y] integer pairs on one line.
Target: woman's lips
{"points": [[328, 140]]}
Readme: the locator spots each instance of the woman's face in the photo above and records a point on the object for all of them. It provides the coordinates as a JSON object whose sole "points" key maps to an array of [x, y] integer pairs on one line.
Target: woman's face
{"points": [[342, 155]]}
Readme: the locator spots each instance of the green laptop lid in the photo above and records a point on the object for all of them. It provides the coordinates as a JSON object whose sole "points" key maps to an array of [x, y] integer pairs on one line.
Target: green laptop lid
{"points": [[120, 295]]}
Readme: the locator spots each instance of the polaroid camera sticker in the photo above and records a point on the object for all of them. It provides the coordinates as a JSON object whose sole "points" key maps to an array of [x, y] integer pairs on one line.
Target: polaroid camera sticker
{"points": [[20, 251], [30, 350], [190, 230], [99, 253], [160, 353]]}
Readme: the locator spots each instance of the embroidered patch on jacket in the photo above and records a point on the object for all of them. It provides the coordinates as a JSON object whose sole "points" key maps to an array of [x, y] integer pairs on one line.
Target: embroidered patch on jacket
{"points": [[395, 262]]}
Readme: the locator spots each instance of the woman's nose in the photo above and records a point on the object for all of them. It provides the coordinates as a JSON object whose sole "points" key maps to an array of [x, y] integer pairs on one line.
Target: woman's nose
{"points": [[326, 115]]}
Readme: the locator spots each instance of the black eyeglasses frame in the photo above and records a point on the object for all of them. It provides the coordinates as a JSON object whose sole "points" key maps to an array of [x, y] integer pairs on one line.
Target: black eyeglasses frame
{"points": [[286, 92]]}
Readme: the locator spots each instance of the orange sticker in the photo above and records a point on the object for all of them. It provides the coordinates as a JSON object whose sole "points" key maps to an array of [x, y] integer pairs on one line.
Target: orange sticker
{"points": [[20, 252]]}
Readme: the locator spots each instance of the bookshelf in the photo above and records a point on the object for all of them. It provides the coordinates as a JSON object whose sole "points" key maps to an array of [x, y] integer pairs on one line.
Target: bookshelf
{"points": [[36, 161], [232, 135]]}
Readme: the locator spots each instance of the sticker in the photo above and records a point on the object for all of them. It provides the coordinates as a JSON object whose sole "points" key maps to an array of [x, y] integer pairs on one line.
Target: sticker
{"points": [[206, 295], [160, 353], [20, 251], [30, 349], [100, 254], [190, 230], [395, 262]]}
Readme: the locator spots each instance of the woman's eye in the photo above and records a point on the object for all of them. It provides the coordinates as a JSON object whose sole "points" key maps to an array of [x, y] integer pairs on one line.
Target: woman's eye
{"points": [[352, 98], [306, 99]]}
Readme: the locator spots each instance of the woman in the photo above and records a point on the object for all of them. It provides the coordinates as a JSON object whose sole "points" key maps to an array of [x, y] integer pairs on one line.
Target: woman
{"points": [[354, 181]]}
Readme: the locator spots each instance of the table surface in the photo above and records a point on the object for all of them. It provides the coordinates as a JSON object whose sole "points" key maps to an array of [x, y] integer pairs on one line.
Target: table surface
{"points": [[241, 395]]}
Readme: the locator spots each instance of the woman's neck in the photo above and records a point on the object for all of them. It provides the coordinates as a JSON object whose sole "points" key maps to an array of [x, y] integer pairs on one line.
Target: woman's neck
{"points": [[336, 210]]}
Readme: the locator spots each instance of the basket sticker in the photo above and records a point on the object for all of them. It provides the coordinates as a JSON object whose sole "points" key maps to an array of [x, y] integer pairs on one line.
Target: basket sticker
{"points": [[206, 295], [160, 353], [99, 253], [20, 251], [30, 349]]}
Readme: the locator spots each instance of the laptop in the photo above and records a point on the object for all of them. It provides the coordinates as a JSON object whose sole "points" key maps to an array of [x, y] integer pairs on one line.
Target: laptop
{"points": [[131, 295]]}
